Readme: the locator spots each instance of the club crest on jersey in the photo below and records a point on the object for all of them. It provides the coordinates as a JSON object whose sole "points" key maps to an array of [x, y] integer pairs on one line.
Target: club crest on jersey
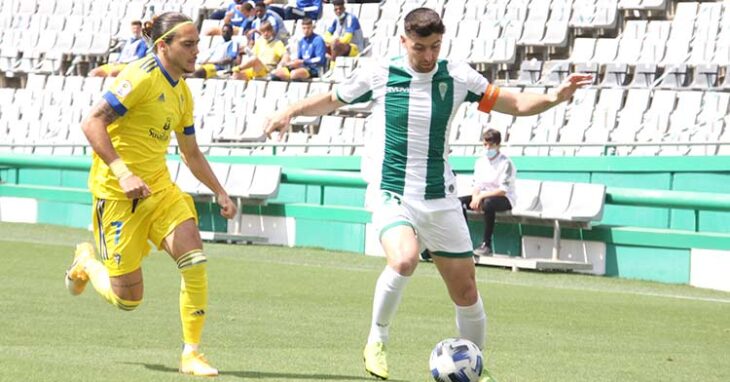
{"points": [[443, 88], [124, 88]]}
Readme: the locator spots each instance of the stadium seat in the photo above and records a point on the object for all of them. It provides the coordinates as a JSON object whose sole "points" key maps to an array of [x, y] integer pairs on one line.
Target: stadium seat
{"points": [[644, 75], [606, 49], [675, 77], [705, 76], [556, 33], [530, 72], [554, 72], [615, 75], [583, 50]]}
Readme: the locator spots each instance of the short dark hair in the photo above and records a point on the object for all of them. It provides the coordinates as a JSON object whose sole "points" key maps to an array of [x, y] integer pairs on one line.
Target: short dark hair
{"points": [[423, 22], [307, 21], [260, 4], [136, 23], [338, 2], [492, 136]]}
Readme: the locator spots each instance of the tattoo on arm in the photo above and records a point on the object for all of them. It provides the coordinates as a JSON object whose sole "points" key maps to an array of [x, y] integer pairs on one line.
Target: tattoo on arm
{"points": [[105, 112]]}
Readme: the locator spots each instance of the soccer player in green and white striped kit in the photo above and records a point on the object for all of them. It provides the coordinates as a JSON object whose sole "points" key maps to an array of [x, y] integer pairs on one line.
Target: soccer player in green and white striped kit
{"points": [[411, 187]]}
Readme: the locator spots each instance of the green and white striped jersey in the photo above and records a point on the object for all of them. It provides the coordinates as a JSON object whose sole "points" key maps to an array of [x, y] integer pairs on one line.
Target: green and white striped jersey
{"points": [[407, 146]]}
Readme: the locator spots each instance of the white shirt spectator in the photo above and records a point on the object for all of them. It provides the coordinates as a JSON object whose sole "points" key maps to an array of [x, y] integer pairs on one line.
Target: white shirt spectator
{"points": [[495, 174]]}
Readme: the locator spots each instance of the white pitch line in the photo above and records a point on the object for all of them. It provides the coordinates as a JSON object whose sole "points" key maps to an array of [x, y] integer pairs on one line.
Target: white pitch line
{"points": [[588, 289]]}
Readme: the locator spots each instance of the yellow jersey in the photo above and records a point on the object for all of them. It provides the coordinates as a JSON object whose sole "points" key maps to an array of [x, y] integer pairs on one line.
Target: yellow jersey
{"points": [[269, 52], [151, 105]]}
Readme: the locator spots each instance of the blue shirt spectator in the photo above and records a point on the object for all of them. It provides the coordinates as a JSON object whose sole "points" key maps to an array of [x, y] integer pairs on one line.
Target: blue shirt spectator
{"points": [[312, 51], [305, 8], [272, 17]]}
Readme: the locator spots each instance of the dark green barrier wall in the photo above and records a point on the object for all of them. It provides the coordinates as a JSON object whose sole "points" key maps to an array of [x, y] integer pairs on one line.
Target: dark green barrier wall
{"points": [[643, 242]]}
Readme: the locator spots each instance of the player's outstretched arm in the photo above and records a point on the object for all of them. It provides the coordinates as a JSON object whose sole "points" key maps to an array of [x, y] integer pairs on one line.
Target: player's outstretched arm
{"points": [[521, 104], [94, 127], [316, 105], [199, 166]]}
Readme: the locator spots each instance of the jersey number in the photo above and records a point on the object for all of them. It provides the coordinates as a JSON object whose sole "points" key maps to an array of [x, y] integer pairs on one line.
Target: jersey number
{"points": [[118, 231]]}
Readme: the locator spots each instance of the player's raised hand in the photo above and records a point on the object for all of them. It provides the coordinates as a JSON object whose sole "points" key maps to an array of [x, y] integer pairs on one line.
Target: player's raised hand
{"points": [[277, 122], [228, 208], [134, 187], [571, 84]]}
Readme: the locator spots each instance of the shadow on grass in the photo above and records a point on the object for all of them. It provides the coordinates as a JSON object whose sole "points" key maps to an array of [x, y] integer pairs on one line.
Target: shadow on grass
{"points": [[266, 375]]}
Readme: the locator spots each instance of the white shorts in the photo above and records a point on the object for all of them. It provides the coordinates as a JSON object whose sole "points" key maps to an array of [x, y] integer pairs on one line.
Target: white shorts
{"points": [[439, 223]]}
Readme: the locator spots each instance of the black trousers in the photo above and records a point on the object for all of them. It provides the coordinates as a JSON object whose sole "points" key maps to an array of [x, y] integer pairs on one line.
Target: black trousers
{"points": [[489, 206]]}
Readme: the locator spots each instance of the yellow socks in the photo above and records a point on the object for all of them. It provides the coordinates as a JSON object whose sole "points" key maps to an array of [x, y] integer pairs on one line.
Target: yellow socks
{"points": [[99, 277], [193, 294]]}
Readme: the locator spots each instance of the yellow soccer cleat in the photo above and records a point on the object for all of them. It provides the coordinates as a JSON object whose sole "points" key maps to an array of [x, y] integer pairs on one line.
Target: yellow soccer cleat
{"points": [[194, 363], [76, 278], [376, 361]]}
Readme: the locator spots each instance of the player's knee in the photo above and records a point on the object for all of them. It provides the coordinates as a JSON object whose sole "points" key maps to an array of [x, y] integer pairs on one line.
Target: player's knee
{"points": [[126, 305], [405, 264], [467, 295]]}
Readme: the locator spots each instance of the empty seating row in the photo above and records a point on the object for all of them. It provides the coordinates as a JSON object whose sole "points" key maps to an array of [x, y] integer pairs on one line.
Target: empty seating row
{"points": [[642, 75], [245, 183]]}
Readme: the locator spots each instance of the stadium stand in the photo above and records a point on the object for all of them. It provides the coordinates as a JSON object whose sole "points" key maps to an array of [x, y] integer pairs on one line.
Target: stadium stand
{"points": [[654, 51], [548, 203]]}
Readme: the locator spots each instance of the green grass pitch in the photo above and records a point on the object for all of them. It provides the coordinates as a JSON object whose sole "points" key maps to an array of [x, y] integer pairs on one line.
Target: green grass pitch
{"points": [[282, 314]]}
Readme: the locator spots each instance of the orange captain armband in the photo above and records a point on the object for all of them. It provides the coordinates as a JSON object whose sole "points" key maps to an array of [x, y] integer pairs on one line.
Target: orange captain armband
{"points": [[489, 98]]}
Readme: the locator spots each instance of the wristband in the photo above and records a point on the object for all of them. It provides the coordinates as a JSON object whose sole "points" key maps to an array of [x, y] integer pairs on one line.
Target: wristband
{"points": [[119, 169]]}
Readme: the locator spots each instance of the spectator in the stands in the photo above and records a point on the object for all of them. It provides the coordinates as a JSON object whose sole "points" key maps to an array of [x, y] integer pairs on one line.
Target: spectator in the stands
{"points": [[344, 35], [493, 189], [264, 14], [267, 53], [219, 57], [134, 48], [239, 14], [311, 56], [304, 8]]}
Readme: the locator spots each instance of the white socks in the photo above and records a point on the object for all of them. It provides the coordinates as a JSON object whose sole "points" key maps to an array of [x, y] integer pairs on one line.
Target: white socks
{"points": [[388, 292], [471, 321]]}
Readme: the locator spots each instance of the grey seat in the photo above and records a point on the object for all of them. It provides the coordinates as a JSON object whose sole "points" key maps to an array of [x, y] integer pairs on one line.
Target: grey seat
{"points": [[705, 76], [615, 75], [675, 76], [644, 75]]}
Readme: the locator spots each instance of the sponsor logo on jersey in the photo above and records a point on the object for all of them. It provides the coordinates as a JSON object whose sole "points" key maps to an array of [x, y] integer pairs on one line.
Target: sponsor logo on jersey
{"points": [[396, 89]]}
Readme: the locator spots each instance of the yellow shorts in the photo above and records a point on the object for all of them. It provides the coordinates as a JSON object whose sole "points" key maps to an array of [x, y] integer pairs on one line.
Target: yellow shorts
{"points": [[211, 70], [122, 228], [251, 74], [354, 51], [111, 68]]}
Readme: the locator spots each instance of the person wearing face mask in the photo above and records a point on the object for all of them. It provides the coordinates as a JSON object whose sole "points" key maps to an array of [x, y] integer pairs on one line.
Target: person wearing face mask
{"points": [[344, 36], [493, 187], [219, 57], [267, 53]]}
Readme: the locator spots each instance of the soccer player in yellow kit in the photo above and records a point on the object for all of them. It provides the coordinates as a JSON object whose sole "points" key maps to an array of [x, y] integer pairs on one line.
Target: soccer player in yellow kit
{"points": [[134, 197]]}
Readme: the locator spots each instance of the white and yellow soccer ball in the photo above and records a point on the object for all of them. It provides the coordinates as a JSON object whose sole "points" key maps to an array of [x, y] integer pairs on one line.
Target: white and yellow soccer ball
{"points": [[456, 360]]}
